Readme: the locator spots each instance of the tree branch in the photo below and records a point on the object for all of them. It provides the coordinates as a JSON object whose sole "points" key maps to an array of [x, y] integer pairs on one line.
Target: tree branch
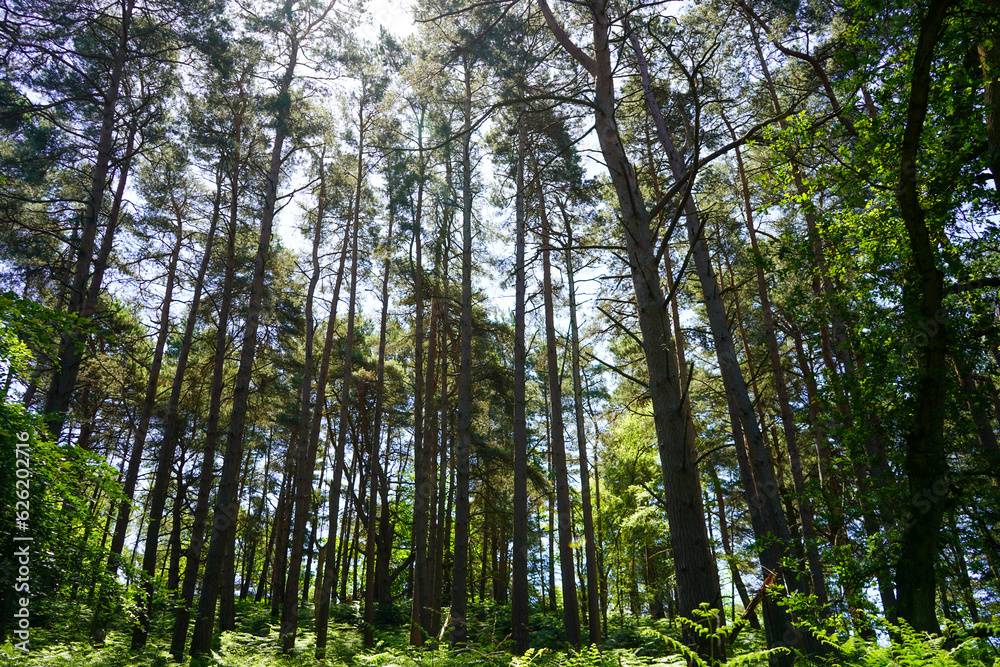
{"points": [[572, 49]]}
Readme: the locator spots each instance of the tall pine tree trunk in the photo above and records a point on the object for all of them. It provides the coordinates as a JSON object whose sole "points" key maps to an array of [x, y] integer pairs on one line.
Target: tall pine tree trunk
{"points": [[165, 457], [697, 576], [373, 452], [445, 491], [57, 400], [102, 613], [593, 605], [761, 487], [564, 510], [419, 616], [306, 454], [227, 504], [520, 609], [806, 514], [283, 529], [459, 584], [207, 474], [329, 576]]}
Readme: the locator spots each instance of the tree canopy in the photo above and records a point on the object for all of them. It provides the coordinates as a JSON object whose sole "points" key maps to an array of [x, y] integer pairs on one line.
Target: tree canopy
{"points": [[542, 333]]}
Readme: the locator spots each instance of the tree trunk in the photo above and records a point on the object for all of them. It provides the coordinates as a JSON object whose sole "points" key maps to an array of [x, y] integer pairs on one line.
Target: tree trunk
{"points": [[63, 383], [310, 551], [762, 486], [344, 548], [319, 407], [444, 490], [171, 428], [305, 466], [989, 60], [249, 561], [520, 609], [806, 514], [89, 304], [174, 545], [282, 530], [571, 610], [102, 614], [227, 503], [980, 415], [419, 613], [329, 583], [429, 443], [373, 450], [823, 284], [459, 632], [207, 474], [926, 462], [727, 545], [383, 560], [593, 606], [697, 577], [603, 578], [552, 526]]}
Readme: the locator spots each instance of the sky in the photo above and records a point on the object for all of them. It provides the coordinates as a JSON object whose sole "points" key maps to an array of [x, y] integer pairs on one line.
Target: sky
{"points": [[395, 15]]}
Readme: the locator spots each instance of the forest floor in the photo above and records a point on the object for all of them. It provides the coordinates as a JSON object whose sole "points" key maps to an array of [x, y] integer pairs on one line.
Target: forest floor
{"points": [[61, 641], [255, 643]]}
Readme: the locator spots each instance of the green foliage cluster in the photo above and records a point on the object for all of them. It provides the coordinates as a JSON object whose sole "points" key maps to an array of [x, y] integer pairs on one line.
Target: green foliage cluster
{"points": [[58, 476]]}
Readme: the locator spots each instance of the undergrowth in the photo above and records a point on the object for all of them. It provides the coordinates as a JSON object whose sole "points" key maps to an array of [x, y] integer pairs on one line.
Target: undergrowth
{"points": [[639, 643]]}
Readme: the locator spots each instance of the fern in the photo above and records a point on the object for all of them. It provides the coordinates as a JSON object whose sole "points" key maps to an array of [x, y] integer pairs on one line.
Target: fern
{"points": [[910, 648], [529, 658], [707, 631]]}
